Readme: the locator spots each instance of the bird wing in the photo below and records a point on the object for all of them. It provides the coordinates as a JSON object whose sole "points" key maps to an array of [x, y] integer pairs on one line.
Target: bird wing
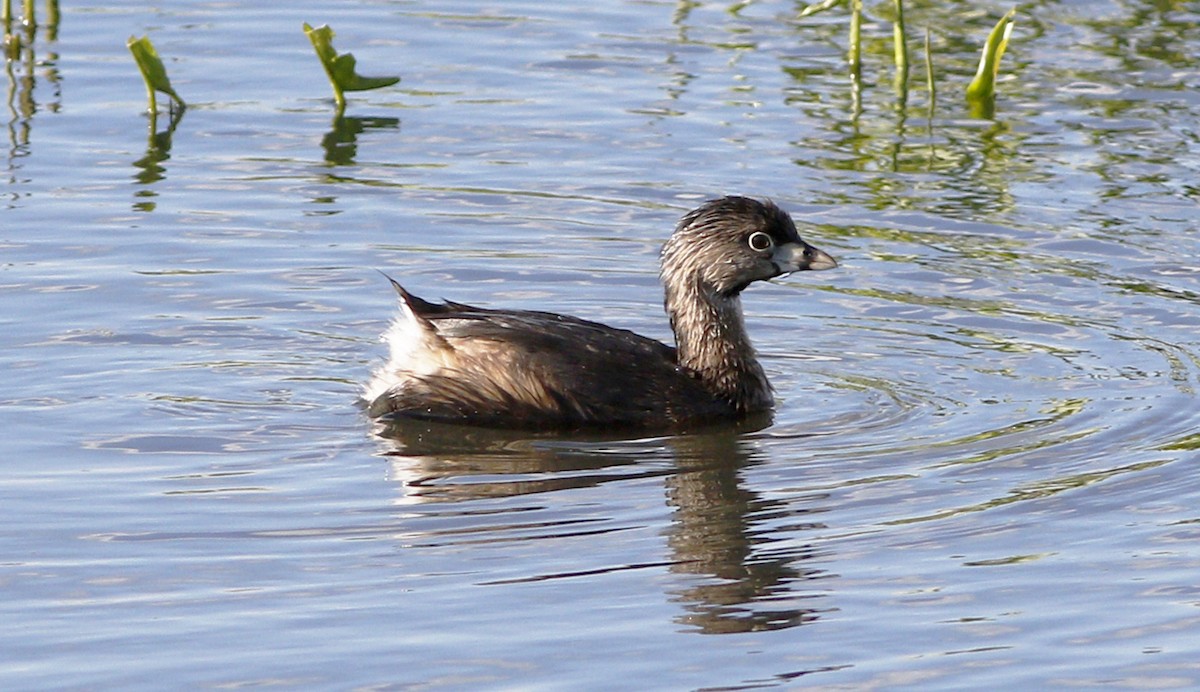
{"points": [[538, 369]]}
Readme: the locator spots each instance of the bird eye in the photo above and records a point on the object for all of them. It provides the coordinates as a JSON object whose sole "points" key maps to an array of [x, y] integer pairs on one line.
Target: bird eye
{"points": [[759, 241]]}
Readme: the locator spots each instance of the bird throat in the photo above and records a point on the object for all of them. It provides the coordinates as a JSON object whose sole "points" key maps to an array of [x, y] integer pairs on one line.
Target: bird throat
{"points": [[710, 335]]}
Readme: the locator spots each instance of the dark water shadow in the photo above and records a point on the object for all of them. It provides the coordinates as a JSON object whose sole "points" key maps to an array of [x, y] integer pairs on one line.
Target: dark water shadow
{"points": [[723, 539]]}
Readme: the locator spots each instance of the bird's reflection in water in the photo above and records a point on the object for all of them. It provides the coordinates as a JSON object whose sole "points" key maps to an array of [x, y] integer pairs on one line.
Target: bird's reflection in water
{"points": [[442, 462], [740, 558], [745, 551]]}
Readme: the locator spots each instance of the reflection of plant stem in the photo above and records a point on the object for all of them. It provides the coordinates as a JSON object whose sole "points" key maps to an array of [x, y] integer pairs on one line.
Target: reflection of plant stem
{"points": [[150, 167], [12, 110], [162, 141]]}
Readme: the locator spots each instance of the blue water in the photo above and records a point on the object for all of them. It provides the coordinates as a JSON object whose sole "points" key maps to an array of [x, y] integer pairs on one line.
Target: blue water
{"points": [[981, 470]]}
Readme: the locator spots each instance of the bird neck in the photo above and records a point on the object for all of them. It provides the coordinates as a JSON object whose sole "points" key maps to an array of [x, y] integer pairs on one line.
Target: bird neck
{"points": [[710, 336]]}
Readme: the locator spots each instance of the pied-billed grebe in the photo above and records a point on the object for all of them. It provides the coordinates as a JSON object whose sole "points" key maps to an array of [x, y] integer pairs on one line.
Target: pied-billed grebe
{"points": [[520, 368]]}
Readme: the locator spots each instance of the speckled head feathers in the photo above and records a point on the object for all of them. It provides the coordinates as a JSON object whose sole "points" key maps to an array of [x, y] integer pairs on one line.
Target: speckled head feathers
{"points": [[727, 243]]}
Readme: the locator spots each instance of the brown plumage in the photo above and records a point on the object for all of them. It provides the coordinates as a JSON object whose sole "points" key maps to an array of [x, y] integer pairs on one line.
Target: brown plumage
{"points": [[520, 368]]}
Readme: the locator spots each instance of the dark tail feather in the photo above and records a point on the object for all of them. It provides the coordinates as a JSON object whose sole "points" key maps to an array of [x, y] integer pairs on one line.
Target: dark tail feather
{"points": [[420, 306]]}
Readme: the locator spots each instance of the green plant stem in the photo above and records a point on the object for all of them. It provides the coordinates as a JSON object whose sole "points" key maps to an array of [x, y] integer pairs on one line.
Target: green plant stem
{"points": [[900, 38], [52, 17], [8, 38], [900, 50], [929, 75], [854, 55], [152, 99]]}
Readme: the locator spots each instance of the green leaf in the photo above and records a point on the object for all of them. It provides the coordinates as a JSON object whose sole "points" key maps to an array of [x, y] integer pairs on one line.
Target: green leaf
{"points": [[153, 72], [340, 68], [981, 92]]}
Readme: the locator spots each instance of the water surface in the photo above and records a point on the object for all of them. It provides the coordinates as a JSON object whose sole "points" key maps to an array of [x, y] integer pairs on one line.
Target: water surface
{"points": [[981, 471]]}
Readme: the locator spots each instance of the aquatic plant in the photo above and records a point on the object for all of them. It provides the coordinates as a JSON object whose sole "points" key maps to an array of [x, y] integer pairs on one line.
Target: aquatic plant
{"points": [[12, 41], [900, 50], [340, 68], [154, 74], [929, 83], [981, 92], [818, 7], [855, 55]]}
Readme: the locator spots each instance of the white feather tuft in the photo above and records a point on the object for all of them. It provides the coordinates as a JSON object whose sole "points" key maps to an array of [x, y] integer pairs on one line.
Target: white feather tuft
{"points": [[414, 350]]}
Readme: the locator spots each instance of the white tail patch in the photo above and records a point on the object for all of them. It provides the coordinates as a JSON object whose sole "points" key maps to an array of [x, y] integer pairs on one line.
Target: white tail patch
{"points": [[414, 349]]}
